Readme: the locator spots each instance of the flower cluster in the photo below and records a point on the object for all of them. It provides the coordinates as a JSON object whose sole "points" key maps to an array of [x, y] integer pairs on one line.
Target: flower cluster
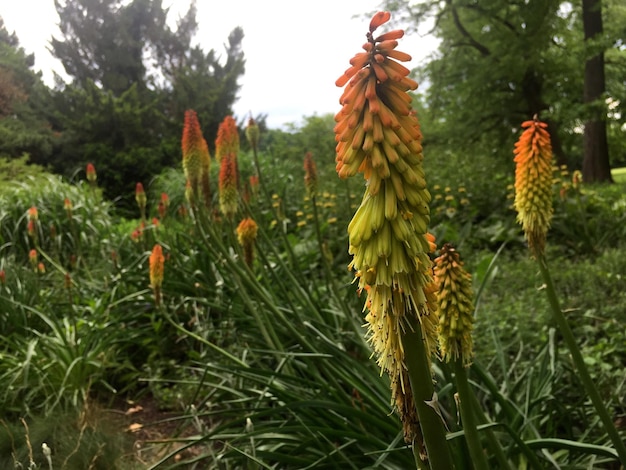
{"points": [[196, 157], [533, 183], [227, 148], [456, 308], [157, 265], [378, 134], [246, 235]]}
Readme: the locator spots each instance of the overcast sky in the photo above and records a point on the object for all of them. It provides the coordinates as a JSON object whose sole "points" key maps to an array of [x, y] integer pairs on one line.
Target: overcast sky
{"points": [[294, 49]]}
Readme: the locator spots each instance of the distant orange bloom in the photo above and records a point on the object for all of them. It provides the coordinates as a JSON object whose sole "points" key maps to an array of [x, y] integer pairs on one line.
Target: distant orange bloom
{"points": [[195, 150], [31, 229], [310, 174], [33, 214], [157, 268], [3, 277], [227, 141], [67, 204], [246, 234], [157, 261], [162, 210], [254, 182], [91, 173], [229, 195], [32, 256]]}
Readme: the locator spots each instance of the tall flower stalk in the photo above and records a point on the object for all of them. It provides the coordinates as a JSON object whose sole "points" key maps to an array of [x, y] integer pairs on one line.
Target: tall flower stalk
{"points": [[141, 199], [157, 264], [456, 322], [196, 157], [378, 134], [533, 183], [246, 235], [533, 202], [226, 151]]}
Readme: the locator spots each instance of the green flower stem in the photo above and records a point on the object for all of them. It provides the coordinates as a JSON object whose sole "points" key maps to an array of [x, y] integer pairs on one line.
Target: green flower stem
{"points": [[431, 422], [492, 441], [579, 362], [469, 417]]}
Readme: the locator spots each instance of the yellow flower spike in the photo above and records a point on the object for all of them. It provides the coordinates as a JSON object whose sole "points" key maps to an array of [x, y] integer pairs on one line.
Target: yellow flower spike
{"points": [[378, 134], [533, 183], [455, 297], [246, 235]]}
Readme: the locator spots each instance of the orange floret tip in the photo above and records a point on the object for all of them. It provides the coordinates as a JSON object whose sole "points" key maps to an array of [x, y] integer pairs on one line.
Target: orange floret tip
{"points": [[379, 19]]}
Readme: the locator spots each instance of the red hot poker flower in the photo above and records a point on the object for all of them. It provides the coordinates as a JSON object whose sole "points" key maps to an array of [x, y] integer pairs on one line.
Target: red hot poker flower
{"points": [[195, 150]]}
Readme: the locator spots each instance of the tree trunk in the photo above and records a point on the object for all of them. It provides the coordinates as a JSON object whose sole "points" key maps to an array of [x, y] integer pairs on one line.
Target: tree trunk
{"points": [[596, 166]]}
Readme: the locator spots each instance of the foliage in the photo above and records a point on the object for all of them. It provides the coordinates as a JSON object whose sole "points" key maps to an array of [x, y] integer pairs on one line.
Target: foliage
{"points": [[17, 170], [264, 364], [501, 62], [22, 97], [133, 77], [272, 360]]}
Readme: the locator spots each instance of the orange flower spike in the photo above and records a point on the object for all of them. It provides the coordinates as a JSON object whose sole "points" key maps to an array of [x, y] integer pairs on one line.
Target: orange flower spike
{"points": [[157, 268], [227, 141], [33, 214], [246, 235], [194, 148], [91, 174], [533, 184], [229, 195], [164, 204], [310, 175], [3, 277], [67, 205], [31, 229], [254, 183], [33, 258]]}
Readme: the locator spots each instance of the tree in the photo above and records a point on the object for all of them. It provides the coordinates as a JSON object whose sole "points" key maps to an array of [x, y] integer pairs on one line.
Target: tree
{"points": [[23, 97], [499, 63], [596, 166], [133, 78]]}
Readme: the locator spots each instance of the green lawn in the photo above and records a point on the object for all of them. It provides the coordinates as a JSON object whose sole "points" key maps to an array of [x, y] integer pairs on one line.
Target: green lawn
{"points": [[619, 174]]}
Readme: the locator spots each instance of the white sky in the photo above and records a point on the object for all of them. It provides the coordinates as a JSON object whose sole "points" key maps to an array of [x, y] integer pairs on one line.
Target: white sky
{"points": [[294, 49]]}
